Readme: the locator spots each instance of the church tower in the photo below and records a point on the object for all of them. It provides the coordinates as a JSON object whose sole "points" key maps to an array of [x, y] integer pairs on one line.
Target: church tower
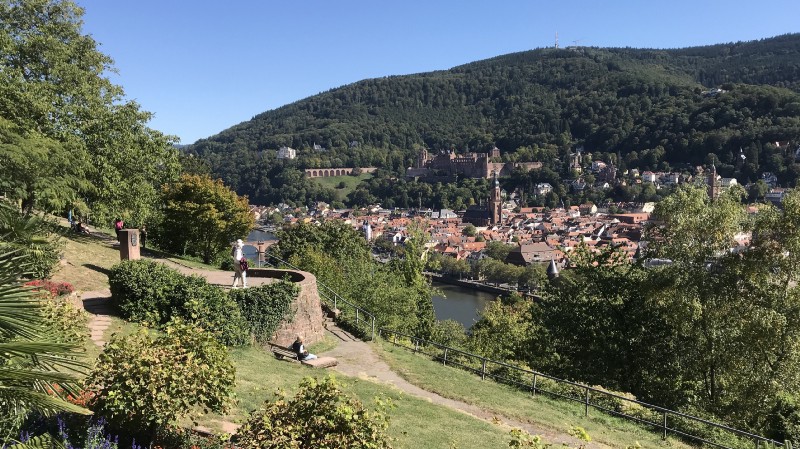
{"points": [[713, 183], [496, 203]]}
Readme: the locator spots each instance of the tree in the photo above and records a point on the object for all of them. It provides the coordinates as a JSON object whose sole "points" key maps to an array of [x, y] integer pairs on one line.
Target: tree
{"points": [[39, 171], [469, 230], [498, 250], [54, 90], [320, 414], [201, 217], [145, 382], [36, 373], [731, 311]]}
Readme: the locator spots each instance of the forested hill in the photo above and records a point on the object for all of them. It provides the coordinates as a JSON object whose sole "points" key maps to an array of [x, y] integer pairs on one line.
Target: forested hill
{"points": [[617, 100]]}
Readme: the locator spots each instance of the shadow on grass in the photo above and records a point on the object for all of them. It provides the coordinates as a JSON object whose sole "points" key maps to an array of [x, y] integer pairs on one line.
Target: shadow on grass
{"points": [[96, 268]]}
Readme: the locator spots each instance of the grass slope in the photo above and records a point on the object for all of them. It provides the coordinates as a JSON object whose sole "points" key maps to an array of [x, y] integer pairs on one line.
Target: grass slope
{"points": [[504, 400], [351, 182], [414, 423]]}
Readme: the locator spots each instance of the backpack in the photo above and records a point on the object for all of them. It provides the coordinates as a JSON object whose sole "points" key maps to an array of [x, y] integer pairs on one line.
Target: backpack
{"points": [[243, 265]]}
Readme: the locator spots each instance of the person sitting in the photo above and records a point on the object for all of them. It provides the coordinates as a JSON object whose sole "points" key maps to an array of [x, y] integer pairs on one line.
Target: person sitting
{"points": [[300, 350]]}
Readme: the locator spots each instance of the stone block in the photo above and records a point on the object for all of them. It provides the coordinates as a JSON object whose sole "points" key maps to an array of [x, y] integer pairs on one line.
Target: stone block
{"points": [[321, 362]]}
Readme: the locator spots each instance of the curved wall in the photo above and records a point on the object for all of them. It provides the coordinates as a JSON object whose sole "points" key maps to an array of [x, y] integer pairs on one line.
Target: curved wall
{"points": [[306, 311]]}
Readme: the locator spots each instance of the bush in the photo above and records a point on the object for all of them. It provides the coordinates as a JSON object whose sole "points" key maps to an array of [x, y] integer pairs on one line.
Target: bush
{"points": [[449, 333], [264, 307], [319, 415], [152, 293], [143, 383], [211, 308], [53, 288], [143, 290]]}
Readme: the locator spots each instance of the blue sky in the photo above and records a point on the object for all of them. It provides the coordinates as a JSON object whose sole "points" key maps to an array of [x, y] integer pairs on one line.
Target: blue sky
{"points": [[202, 66]]}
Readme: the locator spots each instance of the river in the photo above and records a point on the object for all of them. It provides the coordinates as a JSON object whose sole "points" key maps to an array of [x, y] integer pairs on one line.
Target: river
{"points": [[455, 303], [459, 303]]}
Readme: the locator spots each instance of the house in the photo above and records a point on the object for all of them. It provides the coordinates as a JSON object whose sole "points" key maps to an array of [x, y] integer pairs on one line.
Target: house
{"points": [[588, 209], [287, 153], [770, 179], [649, 176], [542, 188], [527, 254], [775, 195]]}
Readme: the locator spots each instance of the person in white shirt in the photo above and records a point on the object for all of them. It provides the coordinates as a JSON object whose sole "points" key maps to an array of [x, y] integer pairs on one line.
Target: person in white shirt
{"points": [[238, 255]]}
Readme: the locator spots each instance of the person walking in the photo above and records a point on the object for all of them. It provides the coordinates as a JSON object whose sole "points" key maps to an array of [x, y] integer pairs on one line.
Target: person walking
{"points": [[238, 259], [118, 226]]}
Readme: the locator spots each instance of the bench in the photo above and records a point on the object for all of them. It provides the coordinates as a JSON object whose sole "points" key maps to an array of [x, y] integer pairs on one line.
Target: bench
{"points": [[284, 353]]}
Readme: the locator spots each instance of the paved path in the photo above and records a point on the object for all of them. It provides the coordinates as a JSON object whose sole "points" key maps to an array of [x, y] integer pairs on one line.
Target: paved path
{"points": [[100, 311]]}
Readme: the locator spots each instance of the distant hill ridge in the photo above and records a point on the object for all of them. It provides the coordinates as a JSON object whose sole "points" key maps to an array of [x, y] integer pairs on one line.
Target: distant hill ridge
{"points": [[466, 104], [613, 100]]}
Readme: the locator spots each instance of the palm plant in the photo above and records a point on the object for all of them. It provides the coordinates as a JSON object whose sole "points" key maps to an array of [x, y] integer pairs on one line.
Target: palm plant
{"points": [[32, 237], [35, 373]]}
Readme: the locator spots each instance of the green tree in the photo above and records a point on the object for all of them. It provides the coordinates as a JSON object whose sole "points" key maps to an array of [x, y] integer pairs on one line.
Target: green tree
{"points": [[54, 89], [320, 415], [38, 171], [145, 382], [201, 216]]}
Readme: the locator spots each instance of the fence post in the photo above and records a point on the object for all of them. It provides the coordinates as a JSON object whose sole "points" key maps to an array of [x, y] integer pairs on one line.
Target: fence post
{"points": [[416, 345], [444, 362], [373, 328], [356, 315], [394, 338], [483, 370], [586, 406], [664, 437], [335, 303], [534, 384]]}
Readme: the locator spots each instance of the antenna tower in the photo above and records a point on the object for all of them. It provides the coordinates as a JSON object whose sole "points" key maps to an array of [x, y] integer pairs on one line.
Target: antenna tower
{"points": [[556, 39]]}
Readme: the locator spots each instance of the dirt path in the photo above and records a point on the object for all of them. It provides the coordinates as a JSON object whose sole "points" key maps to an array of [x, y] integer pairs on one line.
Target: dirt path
{"points": [[358, 359], [96, 303]]}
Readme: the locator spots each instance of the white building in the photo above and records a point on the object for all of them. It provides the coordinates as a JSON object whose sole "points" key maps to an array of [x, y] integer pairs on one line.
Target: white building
{"points": [[287, 153]]}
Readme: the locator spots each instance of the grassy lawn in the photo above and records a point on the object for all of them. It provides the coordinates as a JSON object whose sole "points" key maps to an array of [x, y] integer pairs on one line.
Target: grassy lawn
{"points": [[351, 182], [414, 423], [86, 260], [504, 400]]}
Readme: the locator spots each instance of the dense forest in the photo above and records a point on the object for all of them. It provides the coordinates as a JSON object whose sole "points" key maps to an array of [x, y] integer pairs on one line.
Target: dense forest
{"points": [[640, 108]]}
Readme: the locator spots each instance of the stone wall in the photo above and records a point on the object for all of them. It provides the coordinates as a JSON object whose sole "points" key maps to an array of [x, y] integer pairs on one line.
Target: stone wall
{"points": [[306, 312]]}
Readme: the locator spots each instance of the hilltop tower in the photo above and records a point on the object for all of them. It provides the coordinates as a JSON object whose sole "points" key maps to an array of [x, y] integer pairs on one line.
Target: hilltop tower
{"points": [[422, 158], [496, 203]]}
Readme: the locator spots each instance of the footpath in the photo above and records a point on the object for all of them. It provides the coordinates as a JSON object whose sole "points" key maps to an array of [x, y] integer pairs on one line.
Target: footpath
{"points": [[356, 358]]}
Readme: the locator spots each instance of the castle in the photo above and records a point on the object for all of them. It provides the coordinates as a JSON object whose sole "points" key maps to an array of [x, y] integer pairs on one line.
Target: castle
{"points": [[446, 166]]}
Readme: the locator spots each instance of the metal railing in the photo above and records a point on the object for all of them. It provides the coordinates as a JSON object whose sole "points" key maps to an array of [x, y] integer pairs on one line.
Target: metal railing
{"points": [[589, 397], [340, 304]]}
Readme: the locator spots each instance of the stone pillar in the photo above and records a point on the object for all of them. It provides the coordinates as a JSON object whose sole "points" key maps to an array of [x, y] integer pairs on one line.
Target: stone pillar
{"points": [[129, 244]]}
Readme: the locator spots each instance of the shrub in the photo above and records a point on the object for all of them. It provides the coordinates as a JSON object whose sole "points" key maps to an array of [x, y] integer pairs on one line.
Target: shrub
{"points": [[143, 382], [143, 290], [150, 292], [264, 307], [211, 308], [319, 415], [449, 333], [67, 323], [53, 288]]}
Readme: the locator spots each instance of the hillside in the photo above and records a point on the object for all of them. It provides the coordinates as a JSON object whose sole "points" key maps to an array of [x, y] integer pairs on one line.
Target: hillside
{"points": [[614, 101]]}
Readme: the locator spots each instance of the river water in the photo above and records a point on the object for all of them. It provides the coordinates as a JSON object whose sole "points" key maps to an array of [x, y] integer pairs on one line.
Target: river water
{"points": [[454, 303], [459, 303]]}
